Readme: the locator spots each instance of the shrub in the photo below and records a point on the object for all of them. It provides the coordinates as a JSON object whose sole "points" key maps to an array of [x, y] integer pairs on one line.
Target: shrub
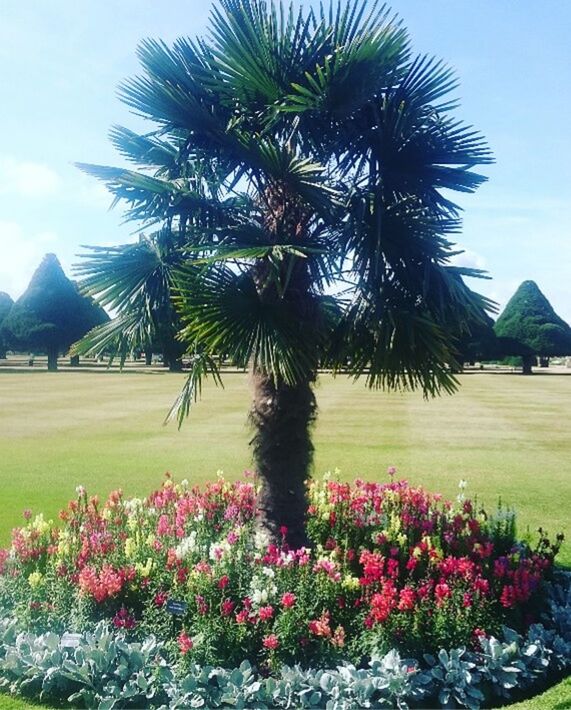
{"points": [[391, 567]]}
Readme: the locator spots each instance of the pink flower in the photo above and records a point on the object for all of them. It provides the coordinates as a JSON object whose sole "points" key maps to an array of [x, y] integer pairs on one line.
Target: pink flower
{"points": [[223, 582], [266, 613], [27, 514], [407, 599], [338, 638], [123, 619], [441, 592], [201, 604], [185, 643], [271, 642], [288, 600], [321, 627], [160, 598], [227, 607], [242, 617]]}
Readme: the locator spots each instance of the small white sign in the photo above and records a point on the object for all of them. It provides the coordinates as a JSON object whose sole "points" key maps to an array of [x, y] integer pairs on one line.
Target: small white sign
{"points": [[70, 640]]}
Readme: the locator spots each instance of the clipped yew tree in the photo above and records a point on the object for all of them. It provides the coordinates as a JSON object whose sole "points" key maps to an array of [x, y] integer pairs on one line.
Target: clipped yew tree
{"points": [[530, 321], [6, 304], [51, 314], [295, 163]]}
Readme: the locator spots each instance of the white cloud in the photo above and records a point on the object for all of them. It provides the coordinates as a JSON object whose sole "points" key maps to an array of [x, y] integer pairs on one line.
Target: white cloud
{"points": [[469, 259], [27, 179], [21, 255], [91, 193]]}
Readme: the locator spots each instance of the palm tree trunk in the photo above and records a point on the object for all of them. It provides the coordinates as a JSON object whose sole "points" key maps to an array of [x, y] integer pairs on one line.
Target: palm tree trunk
{"points": [[282, 416]]}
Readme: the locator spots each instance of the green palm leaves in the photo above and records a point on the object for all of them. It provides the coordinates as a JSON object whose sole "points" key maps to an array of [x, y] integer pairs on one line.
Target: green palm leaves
{"points": [[296, 170]]}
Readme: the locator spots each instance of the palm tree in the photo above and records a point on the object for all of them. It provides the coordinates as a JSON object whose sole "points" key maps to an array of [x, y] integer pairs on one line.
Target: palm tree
{"points": [[297, 162]]}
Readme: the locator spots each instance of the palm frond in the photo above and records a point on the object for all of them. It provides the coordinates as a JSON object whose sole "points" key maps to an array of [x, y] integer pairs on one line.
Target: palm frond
{"points": [[117, 338], [202, 365], [225, 313]]}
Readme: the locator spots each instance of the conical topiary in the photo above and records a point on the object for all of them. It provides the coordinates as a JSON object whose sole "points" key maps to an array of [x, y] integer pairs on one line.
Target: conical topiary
{"points": [[51, 314], [529, 318]]}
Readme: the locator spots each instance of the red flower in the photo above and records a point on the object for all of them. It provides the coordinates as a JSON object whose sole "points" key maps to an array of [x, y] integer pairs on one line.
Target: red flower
{"points": [[321, 627], [242, 617], [271, 642], [227, 607], [406, 599], [223, 582], [266, 613], [288, 600], [185, 643], [161, 598], [123, 619]]}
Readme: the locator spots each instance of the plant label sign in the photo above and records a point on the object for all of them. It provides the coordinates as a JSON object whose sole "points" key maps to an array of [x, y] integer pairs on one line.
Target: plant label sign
{"points": [[70, 640], [176, 607]]}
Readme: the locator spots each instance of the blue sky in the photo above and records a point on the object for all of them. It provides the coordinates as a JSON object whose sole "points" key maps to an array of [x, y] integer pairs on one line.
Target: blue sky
{"points": [[61, 61]]}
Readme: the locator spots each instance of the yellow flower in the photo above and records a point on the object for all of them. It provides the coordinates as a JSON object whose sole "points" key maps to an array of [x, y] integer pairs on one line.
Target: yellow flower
{"points": [[40, 525], [150, 541], [132, 523], [145, 570], [130, 547], [350, 583], [35, 579], [395, 522]]}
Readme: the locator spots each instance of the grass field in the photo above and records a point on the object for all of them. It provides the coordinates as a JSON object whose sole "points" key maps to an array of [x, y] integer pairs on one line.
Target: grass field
{"points": [[506, 434]]}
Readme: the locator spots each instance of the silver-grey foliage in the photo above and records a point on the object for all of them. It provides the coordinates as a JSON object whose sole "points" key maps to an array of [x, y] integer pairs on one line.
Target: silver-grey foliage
{"points": [[106, 671]]}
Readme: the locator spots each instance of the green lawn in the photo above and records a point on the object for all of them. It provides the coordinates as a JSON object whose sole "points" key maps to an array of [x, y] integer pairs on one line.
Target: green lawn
{"points": [[506, 434]]}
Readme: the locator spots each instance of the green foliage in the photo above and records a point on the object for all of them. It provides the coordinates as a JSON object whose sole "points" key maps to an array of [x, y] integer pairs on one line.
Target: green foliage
{"points": [[530, 319], [6, 304], [51, 314], [293, 150], [106, 671]]}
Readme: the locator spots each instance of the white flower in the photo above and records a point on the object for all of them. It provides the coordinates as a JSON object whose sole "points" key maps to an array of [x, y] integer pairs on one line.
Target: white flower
{"points": [[80, 490], [261, 540], [133, 505], [462, 485], [269, 572], [186, 546], [260, 596]]}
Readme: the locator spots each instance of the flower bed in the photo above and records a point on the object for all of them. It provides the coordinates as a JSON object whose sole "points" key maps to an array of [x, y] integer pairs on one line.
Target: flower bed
{"points": [[392, 568]]}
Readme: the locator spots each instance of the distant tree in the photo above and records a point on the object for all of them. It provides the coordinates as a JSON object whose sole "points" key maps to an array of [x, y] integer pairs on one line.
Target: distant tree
{"points": [[51, 314], [479, 341], [529, 319], [6, 304]]}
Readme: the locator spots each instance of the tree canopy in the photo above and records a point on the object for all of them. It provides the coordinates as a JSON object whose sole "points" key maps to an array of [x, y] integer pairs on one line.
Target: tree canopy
{"points": [[295, 170], [6, 304], [51, 314], [530, 319]]}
